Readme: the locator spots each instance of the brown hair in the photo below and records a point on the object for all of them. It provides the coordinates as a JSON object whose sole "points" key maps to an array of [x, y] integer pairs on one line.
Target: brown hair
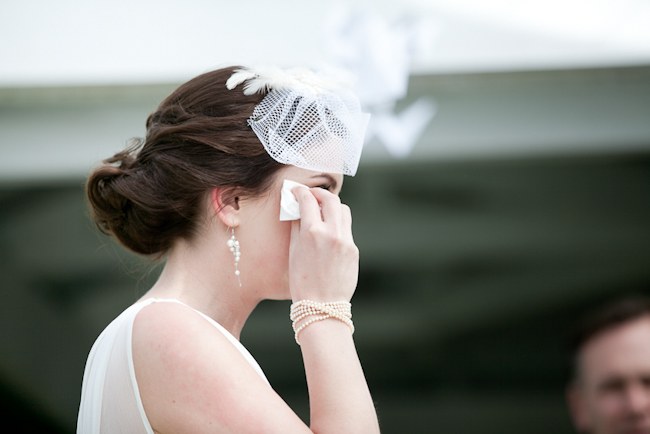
{"points": [[150, 194]]}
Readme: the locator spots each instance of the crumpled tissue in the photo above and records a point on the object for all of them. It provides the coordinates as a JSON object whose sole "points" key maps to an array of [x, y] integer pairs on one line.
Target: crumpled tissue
{"points": [[289, 208]]}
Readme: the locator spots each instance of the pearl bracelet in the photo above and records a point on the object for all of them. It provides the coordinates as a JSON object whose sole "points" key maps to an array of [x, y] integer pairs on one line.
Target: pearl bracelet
{"points": [[306, 312]]}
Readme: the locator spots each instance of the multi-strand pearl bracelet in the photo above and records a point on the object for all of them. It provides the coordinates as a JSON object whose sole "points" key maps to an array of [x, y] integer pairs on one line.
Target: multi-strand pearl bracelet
{"points": [[306, 312]]}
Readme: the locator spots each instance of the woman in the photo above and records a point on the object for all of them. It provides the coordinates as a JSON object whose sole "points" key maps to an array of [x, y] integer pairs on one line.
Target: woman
{"points": [[203, 191]]}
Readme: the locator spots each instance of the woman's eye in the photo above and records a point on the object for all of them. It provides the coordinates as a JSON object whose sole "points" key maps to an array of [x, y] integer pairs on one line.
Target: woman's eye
{"points": [[325, 187]]}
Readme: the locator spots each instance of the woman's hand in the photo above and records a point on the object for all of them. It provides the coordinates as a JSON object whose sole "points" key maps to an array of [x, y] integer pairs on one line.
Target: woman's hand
{"points": [[323, 259]]}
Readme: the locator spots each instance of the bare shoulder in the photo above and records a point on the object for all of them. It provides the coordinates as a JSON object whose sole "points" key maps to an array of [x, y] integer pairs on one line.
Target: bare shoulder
{"points": [[192, 379], [161, 327]]}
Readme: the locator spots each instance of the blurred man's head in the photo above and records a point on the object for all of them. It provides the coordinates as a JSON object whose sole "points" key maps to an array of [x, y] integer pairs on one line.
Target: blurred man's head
{"points": [[610, 391]]}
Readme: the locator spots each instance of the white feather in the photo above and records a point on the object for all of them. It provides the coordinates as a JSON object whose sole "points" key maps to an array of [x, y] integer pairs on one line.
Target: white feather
{"points": [[265, 78], [238, 77]]}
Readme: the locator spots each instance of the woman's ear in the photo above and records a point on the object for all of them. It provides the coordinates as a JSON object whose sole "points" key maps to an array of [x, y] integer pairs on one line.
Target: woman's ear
{"points": [[225, 206]]}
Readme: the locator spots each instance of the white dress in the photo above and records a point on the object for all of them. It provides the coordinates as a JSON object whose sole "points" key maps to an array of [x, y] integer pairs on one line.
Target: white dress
{"points": [[110, 398]]}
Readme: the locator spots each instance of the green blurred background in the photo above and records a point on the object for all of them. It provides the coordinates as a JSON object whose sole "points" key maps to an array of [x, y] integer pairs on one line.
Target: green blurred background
{"points": [[524, 204]]}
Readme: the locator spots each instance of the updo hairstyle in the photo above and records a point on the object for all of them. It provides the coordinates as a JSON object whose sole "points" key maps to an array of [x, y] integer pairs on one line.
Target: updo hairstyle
{"points": [[151, 193]]}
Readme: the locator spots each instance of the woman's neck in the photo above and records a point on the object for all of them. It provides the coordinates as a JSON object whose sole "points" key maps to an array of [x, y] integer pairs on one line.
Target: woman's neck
{"points": [[201, 278]]}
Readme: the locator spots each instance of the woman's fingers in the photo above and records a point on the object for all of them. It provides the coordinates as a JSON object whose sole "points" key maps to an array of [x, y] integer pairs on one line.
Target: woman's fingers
{"points": [[323, 260], [330, 205], [318, 206], [309, 208], [346, 221]]}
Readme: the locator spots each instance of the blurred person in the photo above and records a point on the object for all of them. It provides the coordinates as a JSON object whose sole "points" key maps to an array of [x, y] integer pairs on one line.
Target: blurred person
{"points": [[204, 191], [610, 389]]}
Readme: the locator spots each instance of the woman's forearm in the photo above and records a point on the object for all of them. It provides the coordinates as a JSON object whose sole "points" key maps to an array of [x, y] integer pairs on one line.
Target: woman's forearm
{"points": [[340, 401]]}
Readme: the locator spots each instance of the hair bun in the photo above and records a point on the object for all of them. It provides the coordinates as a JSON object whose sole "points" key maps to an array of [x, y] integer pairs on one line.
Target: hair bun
{"points": [[107, 203], [108, 190]]}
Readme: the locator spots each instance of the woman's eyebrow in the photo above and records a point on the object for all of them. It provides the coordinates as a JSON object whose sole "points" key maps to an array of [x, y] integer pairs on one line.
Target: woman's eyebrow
{"points": [[330, 179]]}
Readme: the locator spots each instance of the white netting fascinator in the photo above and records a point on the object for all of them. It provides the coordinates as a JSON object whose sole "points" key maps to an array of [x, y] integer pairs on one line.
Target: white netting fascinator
{"points": [[305, 120]]}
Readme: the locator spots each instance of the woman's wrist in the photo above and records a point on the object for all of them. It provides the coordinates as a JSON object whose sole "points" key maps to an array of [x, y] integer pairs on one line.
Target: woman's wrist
{"points": [[305, 313]]}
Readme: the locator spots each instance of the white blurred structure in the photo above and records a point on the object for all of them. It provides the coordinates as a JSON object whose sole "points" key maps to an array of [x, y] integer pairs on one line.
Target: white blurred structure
{"points": [[78, 78], [121, 41], [380, 54]]}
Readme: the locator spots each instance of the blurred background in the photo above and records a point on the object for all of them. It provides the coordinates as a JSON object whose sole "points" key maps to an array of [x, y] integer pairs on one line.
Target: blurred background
{"points": [[503, 191]]}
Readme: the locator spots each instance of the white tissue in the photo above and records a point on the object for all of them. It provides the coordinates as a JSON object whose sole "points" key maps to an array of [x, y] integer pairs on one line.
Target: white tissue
{"points": [[289, 208]]}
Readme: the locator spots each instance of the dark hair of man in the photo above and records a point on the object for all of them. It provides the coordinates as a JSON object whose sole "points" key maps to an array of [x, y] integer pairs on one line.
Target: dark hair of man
{"points": [[607, 317]]}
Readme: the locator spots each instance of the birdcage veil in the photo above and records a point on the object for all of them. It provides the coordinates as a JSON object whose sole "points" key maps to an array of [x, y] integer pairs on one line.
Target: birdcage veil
{"points": [[306, 120]]}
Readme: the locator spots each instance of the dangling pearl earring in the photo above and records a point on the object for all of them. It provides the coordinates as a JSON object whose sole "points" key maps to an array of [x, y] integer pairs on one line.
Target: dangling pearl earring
{"points": [[233, 245]]}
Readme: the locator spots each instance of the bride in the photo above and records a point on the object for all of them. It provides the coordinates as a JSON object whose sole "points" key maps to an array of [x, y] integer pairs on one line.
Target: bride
{"points": [[235, 187]]}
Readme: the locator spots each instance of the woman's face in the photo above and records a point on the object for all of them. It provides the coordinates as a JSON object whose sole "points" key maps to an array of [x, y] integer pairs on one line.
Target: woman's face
{"points": [[264, 239]]}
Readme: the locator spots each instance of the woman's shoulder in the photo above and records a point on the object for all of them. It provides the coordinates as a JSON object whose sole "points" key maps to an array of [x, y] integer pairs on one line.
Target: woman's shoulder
{"points": [[191, 378], [185, 367], [170, 331], [166, 319]]}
